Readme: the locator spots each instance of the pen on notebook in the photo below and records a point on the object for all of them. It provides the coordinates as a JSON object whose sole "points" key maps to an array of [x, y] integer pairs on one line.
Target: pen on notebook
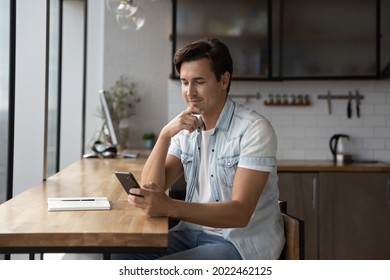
{"points": [[86, 199]]}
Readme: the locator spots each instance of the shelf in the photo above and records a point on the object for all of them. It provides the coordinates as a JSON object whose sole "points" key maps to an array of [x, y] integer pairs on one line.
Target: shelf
{"points": [[287, 105]]}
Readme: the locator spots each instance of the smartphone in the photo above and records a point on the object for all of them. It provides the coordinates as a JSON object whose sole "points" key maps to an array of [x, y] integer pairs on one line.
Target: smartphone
{"points": [[127, 181]]}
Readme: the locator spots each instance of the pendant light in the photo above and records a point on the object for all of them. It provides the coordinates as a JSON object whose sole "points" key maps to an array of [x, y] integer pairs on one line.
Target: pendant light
{"points": [[128, 13]]}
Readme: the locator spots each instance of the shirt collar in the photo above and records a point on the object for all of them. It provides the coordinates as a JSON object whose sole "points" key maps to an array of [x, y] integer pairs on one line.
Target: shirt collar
{"points": [[226, 115]]}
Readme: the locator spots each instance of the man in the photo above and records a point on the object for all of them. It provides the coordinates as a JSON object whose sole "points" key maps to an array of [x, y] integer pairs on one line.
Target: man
{"points": [[227, 154]]}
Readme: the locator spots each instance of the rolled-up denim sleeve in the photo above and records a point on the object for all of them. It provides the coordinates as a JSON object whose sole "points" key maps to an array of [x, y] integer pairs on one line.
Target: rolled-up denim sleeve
{"points": [[258, 145], [174, 147]]}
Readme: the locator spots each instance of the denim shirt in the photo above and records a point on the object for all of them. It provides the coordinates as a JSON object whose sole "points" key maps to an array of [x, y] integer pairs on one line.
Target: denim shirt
{"points": [[244, 138]]}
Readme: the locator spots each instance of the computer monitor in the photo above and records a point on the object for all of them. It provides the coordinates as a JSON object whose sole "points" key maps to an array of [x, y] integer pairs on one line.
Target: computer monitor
{"points": [[107, 108]]}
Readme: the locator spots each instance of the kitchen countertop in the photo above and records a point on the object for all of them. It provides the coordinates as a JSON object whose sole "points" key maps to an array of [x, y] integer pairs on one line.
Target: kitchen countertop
{"points": [[331, 166]]}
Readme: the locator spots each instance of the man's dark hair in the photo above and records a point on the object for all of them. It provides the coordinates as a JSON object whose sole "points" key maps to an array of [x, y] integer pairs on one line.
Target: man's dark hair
{"points": [[214, 50]]}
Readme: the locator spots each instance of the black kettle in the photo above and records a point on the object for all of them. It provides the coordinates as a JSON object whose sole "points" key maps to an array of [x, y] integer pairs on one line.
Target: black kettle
{"points": [[339, 146]]}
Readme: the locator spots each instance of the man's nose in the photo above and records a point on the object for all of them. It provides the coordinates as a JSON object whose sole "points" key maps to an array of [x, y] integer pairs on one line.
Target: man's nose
{"points": [[191, 90]]}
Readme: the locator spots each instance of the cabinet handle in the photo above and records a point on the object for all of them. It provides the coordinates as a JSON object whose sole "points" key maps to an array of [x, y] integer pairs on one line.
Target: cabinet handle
{"points": [[388, 192], [314, 197]]}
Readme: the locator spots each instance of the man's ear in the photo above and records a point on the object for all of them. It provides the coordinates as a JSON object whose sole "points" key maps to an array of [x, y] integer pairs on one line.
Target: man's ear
{"points": [[225, 78]]}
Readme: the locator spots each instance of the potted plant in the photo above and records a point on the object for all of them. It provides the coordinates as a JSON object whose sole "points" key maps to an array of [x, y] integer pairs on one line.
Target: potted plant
{"points": [[149, 140], [124, 97]]}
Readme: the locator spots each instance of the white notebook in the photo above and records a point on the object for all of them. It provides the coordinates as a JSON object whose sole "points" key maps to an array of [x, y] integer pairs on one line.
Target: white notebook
{"points": [[78, 203]]}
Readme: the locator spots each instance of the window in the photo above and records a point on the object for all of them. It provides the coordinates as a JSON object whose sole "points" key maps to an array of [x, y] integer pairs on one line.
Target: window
{"points": [[7, 93], [53, 96], [5, 8]]}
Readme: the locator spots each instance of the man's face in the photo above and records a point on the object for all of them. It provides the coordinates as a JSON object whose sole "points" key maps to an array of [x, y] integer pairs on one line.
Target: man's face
{"points": [[200, 87]]}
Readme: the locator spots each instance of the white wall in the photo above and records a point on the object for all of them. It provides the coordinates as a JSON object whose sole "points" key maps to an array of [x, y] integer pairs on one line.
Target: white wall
{"points": [[29, 93]]}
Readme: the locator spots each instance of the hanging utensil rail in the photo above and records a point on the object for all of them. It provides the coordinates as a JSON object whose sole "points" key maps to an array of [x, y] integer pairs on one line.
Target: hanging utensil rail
{"points": [[246, 96], [357, 96]]}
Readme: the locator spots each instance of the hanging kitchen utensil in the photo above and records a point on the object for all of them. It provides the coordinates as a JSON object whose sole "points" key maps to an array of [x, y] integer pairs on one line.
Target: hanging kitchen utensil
{"points": [[349, 108], [357, 104], [328, 99]]}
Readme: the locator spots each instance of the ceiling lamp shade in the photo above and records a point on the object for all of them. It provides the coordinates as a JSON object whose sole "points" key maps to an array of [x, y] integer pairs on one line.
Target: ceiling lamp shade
{"points": [[128, 13]]}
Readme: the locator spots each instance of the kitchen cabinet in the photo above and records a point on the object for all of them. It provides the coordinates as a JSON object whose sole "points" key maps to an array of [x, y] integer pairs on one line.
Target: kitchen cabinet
{"points": [[284, 39], [241, 25], [346, 214], [354, 216], [329, 39]]}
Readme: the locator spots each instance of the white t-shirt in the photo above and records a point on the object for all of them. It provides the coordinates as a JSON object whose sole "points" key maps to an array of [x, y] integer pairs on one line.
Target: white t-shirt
{"points": [[204, 175]]}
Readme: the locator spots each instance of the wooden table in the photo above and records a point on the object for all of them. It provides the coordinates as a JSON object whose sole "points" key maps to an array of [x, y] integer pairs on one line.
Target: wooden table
{"points": [[26, 226]]}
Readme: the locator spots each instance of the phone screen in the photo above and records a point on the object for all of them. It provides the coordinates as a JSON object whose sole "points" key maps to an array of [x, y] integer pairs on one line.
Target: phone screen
{"points": [[127, 181]]}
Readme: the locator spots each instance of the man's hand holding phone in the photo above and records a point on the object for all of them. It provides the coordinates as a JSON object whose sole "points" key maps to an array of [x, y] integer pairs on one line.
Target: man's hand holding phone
{"points": [[128, 182]]}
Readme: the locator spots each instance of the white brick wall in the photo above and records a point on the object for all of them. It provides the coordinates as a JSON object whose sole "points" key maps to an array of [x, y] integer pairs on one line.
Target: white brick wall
{"points": [[304, 132]]}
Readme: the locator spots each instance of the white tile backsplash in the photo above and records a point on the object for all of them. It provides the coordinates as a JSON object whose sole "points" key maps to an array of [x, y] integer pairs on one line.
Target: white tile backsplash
{"points": [[382, 109], [304, 132], [377, 120], [383, 131]]}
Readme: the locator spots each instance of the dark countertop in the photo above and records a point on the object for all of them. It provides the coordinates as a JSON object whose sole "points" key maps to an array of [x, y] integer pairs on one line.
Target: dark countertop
{"points": [[331, 166]]}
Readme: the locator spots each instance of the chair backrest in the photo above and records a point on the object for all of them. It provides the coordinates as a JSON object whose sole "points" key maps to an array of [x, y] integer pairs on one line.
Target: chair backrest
{"points": [[294, 228]]}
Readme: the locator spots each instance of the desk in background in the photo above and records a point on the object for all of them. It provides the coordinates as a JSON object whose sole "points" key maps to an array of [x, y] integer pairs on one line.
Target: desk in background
{"points": [[26, 226]]}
